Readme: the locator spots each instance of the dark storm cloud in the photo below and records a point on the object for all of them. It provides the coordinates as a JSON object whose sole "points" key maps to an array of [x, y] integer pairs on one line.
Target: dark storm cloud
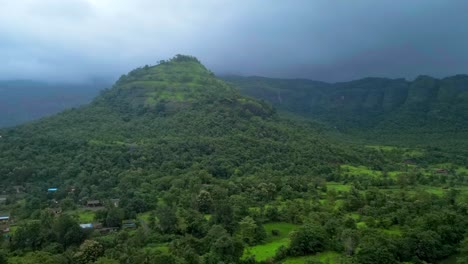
{"points": [[320, 39]]}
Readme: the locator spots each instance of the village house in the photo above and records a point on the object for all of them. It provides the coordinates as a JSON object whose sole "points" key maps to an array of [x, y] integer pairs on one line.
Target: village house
{"points": [[115, 202], [93, 203], [4, 219], [52, 190], [18, 188], [95, 226], [86, 226], [128, 224]]}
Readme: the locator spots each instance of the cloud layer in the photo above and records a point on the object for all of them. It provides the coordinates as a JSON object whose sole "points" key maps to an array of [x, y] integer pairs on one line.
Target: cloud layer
{"points": [[331, 40]]}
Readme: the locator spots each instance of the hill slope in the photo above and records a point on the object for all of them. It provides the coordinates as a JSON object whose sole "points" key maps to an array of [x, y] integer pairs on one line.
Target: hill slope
{"points": [[392, 110], [169, 119]]}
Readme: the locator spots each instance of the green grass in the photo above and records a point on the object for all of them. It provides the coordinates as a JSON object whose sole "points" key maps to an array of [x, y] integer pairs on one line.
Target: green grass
{"points": [[338, 186], [86, 216], [354, 216], [144, 216], [157, 247], [268, 249], [361, 225], [393, 230], [433, 190], [326, 257], [462, 170]]}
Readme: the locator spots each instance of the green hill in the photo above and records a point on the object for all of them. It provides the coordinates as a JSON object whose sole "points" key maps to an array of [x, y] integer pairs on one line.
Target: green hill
{"points": [[172, 165], [169, 119], [423, 111]]}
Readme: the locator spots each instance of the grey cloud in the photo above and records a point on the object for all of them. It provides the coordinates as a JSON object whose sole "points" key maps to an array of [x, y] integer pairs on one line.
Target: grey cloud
{"points": [[329, 40]]}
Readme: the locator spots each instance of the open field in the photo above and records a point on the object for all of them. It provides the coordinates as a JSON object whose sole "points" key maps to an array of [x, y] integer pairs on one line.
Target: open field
{"points": [[272, 243]]}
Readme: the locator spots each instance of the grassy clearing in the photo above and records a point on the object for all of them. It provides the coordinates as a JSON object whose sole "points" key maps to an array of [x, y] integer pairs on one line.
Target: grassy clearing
{"points": [[157, 248], [85, 216], [325, 257], [338, 186], [354, 216], [462, 170], [433, 190], [393, 230], [272, 243], [144, 216], [361, 225]]}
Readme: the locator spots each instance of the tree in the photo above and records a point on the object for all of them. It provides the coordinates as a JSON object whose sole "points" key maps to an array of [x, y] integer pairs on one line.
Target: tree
{"points": [[204, 201], [227, 249], [376, 248], [350, 240], [27, 236], [463, 259], [67, 231], [247, 228], [167, 219], [309, 239], [114, 217], [88, 252]]}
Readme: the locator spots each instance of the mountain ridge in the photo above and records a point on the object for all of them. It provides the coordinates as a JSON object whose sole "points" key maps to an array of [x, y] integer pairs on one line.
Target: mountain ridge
{"points": [[376, 105]]}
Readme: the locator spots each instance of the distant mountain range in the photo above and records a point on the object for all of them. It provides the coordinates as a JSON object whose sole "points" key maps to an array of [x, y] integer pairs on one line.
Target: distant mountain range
{"points": [[24, 100], [425, 110]]}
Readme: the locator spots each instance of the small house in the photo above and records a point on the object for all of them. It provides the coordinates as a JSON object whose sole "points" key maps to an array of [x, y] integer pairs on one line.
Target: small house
{"points": [[442, 171], [115, 202], [107, 230], [4, 219], [86, 226], [129, 224], [52, 190], [93, 203], [18, 188], [97, 225]]}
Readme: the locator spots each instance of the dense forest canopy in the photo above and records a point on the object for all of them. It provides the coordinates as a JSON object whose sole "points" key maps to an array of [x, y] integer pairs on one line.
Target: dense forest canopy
{"points": [[173, 165]]}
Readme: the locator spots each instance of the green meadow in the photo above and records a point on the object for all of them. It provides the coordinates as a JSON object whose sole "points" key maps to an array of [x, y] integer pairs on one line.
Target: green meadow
{"points": [[268, 249]]}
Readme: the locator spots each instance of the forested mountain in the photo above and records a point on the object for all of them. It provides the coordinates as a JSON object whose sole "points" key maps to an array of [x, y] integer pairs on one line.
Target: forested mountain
{"points": [[173, 165], [426, 110], [22, 100], [175, 116]]}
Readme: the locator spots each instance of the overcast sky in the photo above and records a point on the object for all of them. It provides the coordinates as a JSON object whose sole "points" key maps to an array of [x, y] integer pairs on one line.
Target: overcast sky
{"points": [[328, 40]]}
